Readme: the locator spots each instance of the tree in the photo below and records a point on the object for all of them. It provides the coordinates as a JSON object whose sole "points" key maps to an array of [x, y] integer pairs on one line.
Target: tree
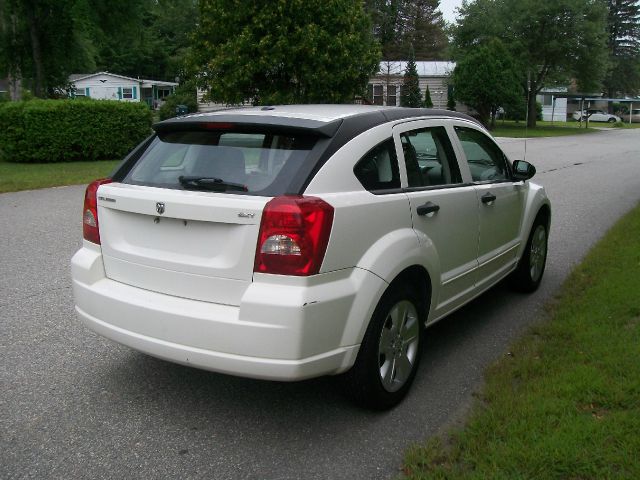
{"points": [[424, 29], [623, 43], [44, 41], [552, 40], [285, 51], [410, 95], [427, 99], [39, 42], [451, 99], [400, 24], [387, 25], [139, 38], [486, 78]]}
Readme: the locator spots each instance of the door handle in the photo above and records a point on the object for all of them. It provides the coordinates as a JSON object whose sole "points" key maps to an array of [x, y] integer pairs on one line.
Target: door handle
{"points": [[488, 197], [427, 208]]}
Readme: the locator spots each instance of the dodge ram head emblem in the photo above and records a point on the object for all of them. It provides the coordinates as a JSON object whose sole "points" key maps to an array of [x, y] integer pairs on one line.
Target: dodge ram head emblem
{"points": [[160, 208]]}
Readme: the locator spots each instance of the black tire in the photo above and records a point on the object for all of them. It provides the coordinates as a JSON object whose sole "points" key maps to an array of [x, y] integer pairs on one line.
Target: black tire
{"points": [[364, 383], [528, 274], [612, 120]]}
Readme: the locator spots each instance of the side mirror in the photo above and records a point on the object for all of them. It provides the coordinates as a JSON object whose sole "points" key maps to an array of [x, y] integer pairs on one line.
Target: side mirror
{"points": [[523, 170]]}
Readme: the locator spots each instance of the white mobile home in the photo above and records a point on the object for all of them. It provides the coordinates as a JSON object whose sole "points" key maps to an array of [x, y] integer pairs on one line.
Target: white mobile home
{"points": [[110, 86]]}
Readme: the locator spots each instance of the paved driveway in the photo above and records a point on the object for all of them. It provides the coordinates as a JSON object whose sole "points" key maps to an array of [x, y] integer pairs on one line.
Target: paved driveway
{"points": [[73, 405]]}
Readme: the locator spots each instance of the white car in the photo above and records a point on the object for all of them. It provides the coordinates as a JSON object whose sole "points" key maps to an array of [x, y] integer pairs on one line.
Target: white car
{"points": [[291, 242], [595, 116]]}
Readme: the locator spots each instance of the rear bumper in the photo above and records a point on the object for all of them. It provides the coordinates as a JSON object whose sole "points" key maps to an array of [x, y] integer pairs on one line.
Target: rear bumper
{"points": [[284, 329]]}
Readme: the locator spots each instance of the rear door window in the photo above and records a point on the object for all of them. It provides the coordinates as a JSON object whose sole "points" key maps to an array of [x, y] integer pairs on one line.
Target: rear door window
{"points": [[429, 158], [250, 163]]}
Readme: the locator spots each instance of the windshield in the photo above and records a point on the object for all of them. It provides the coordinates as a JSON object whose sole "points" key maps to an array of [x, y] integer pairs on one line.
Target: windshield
{"points": [[233, 162]]}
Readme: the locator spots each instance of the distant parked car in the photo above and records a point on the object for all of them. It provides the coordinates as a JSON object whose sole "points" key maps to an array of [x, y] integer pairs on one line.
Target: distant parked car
{"points": [[635, 116], [595, 116]]}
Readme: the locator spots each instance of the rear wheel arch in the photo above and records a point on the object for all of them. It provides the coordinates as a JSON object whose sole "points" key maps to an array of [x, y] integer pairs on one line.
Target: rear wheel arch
{"points": [[389, 354], [418, 278]]}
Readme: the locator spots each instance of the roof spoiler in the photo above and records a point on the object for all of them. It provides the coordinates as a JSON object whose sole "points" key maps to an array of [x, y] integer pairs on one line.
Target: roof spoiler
{"points": [[249, 123]]}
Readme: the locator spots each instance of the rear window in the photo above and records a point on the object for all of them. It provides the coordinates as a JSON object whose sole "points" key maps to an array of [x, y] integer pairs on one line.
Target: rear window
{"points": [[233, 162]]}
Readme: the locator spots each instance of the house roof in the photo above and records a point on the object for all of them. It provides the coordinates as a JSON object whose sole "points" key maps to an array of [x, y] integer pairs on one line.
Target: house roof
{"points": [[145, 82], [425, 69]]}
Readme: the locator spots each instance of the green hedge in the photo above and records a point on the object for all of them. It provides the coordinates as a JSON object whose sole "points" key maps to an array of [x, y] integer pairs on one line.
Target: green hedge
{"points": [[71, 130]]}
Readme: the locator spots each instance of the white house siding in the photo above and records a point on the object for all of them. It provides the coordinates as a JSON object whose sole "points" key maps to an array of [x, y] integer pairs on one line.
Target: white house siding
{"points": [[109, 87], [435, 75], [553, 108]]}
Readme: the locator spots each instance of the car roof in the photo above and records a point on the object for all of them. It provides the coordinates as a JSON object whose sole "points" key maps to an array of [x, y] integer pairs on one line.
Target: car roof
{"points": [[323, 120], [321, 113]]}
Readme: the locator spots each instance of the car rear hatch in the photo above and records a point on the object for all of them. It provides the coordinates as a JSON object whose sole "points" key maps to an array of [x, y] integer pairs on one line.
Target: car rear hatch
{"points": [[201, 246], [163, 231]]}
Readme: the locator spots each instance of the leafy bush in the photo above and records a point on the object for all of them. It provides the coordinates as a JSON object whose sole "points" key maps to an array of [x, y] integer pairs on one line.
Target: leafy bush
{"points": [[184, 95], [621, 125], [71, 130], [620, 108], [518, 111]]}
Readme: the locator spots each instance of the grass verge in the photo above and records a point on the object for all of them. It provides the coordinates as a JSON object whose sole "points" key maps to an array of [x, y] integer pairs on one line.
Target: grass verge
{"points": [[543, 129], [28, 176], [565, 402]]}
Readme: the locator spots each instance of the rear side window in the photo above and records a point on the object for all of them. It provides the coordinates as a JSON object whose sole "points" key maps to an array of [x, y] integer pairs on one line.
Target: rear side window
{"points": [[235, 162], [378, 169], [429, 158]]}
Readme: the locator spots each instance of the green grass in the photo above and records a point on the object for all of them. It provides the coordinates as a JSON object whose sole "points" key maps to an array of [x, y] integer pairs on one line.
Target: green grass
{"points": [[543, 129], [565, 402], [28, 176], [512, 129]]}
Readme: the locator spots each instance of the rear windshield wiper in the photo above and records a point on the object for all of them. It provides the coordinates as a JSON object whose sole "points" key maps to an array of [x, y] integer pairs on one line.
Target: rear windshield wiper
{"points": [[210, 183]]}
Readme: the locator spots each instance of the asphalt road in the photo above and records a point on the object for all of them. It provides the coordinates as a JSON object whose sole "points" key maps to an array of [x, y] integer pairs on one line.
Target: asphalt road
{"points": [[73, 405]]}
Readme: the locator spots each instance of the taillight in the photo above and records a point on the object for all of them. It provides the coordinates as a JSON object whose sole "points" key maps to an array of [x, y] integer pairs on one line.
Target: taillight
{"points": [[90, 227], [294, 233]]}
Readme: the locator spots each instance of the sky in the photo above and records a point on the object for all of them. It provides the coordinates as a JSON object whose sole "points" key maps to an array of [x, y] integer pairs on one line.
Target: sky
{"points": [[448, 7]]}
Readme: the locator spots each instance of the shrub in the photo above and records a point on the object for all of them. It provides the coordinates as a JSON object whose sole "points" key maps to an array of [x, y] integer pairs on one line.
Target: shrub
{"points": [[70, 130], [185, 94], [516, 111]]}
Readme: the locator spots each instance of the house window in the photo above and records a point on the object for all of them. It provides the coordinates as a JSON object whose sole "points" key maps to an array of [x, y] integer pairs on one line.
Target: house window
{"points": [[377, 95], [391, 95], [127, 92], [79, 92], [163, 92], [547, 100]]}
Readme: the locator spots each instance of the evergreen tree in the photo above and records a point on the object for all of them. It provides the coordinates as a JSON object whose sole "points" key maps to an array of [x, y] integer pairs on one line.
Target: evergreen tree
{"points": [[451, 99], [623, 42], [410, 95], [398, 24], [424, 29], [427, 98]]}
